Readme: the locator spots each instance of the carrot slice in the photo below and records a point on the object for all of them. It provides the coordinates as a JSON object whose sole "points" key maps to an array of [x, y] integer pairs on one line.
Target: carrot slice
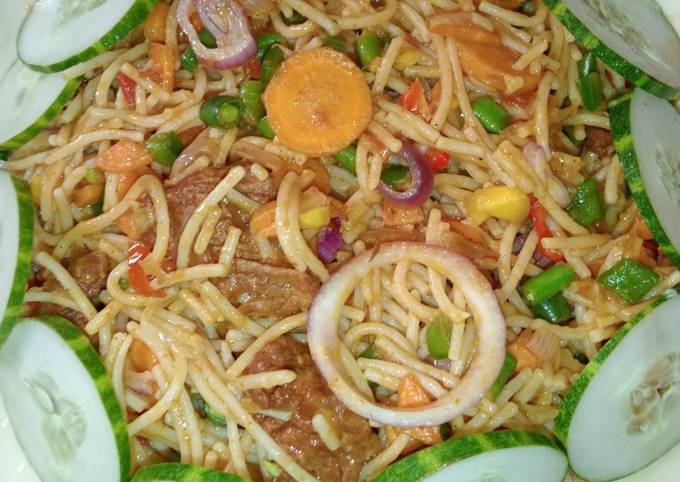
{"points": [[154, 27], [482, 53], [318, 102], [412, 394], [163, 68], [123, 157], [461, 26]]}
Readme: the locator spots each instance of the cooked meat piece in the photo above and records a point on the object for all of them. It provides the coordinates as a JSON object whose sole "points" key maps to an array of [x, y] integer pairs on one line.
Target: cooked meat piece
{"points": [[260, 191], [185, 196], [306, 396], [264, 290], [599, 141], [90, 270]]}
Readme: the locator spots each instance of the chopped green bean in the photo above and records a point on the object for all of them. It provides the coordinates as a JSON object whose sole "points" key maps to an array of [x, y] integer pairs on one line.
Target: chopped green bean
{"points": [[509, 365], [368, 46], [188, 60], [336, 43], [221, 111], [369, 352], [548, 283], [491, 114], [98, 208], [207, 39], [587, 65], [265, 129], [295, 19], [266, 41], [555, 309], [587, 206], [123, 283], [205, 410], [629, 279], [253, 107], [590, 88], [164, 147], [346, 159], [270, 62], [94, 175], [438, 337], [394, 175]]}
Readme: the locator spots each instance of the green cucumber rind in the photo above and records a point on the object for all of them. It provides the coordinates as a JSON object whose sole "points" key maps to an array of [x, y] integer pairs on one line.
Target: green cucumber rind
{"points": [[135, 15], [617, 63], [93, 364], [431, 459], [44, 120], [620, 115], [578, 388], [182, 473], [23, 265]]}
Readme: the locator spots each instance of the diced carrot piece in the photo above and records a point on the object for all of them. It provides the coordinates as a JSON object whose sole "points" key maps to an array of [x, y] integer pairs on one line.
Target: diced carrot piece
{"points": [[490, 64], [154, 27], [318, 102], [123, 157], [641, 230], [461, 26], [482, 53], [142, 358], [409, 99], [394, 215], [126, 224], [128, 86], [163, 65], [262, 222], [195, 20], [411, 393], [525, 357], [88, 195]]}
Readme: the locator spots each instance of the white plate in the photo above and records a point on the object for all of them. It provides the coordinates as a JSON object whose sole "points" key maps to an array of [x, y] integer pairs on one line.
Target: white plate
{"points": [[14, 466]]}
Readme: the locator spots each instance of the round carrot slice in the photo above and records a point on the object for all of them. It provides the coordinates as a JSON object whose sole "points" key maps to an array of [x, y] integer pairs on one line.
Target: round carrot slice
{"points": [[318, 102]]}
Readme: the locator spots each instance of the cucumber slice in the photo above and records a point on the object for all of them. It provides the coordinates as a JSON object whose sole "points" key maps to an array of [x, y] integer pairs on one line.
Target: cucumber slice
{"points": [[61, 404], [58, 34], [16, 239], [507, 456], [30, 101], [622, 412], [182, 473], [646, 130], [633, 37]]}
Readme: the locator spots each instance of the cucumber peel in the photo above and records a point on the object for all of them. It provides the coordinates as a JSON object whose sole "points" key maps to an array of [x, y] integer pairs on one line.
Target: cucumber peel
{"points": [[621, 412], [61, 403], [16, 239], [646, 130], [57, 35], [175, 472], [634, 38], [30, 102], [507, 456]]}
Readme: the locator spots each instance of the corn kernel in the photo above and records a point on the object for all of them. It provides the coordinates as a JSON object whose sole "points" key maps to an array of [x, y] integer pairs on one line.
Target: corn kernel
{"points": [[407, 58], [315, 218], [509, 204]]}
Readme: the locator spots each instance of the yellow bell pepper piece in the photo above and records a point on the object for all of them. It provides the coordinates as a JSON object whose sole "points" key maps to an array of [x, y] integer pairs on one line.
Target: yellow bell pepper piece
{"points": [[510, 204], [315, 218], [408, 58]]}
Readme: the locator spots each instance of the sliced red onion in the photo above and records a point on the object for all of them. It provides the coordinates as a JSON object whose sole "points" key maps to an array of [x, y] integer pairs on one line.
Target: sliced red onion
{"points": [[422, 181], [538, 161], [325, 345], [228, 23], [330, 241], [201, 146]]}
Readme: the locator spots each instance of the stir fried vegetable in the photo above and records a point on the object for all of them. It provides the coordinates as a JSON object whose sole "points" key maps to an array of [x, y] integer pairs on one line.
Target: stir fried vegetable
{"points": [[629, 279], [548, 283], [164, 147], [587, 206], [221, 111]]}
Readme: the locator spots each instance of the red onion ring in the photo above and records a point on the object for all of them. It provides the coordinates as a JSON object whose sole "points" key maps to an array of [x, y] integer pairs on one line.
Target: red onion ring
{"points": [[422, 181], [325, 345], [228, 23]]}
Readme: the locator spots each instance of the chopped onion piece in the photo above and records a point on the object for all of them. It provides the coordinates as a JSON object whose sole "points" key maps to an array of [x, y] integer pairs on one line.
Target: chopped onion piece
{"points": [[325, 344]]}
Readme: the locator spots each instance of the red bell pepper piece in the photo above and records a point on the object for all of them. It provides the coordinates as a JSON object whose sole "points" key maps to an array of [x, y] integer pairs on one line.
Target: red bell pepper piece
{"points": [[136, 275], [128, 86], [539, 215]]}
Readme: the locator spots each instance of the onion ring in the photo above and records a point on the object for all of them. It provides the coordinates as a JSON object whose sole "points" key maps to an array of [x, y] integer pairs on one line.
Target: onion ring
{"points": [[324, 342]]}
